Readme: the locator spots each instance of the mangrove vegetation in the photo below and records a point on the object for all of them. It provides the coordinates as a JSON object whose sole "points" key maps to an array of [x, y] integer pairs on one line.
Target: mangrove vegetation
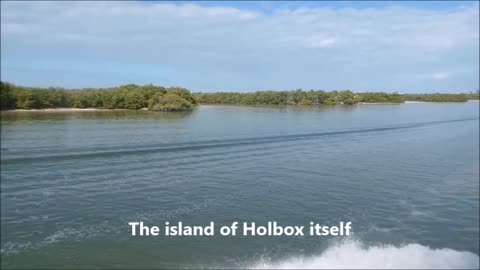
{"points": [[314, 97], [129, 96], [160, 98]]}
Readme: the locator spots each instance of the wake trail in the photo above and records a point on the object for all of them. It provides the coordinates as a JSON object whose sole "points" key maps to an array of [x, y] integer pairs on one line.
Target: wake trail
{"points": [[211, 144]]}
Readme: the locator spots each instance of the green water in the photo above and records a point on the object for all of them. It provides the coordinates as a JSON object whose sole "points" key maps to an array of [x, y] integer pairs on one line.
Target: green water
{"points": [[406, 176]]}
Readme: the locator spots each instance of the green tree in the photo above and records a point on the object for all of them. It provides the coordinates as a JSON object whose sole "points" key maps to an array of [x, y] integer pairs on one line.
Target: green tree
{"points": [[171, 102], [25, 99], [7, 97], [134, 100], [182, 92]]}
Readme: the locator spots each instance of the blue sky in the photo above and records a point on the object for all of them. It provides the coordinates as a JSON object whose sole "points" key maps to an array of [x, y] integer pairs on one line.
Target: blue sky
{"points": [[244, 46]]}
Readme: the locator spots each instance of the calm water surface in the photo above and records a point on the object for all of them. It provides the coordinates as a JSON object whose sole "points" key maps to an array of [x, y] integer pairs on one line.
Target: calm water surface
{"points": [[406, 176]]}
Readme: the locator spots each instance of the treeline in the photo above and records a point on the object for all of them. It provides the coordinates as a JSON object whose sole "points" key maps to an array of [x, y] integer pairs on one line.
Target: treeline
{"points": [[313, 97], [133, 96], [298, 97], [437, 97], [123, 97]]}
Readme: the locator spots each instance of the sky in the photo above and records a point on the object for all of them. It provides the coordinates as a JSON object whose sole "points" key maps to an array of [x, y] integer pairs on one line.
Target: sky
{"points": [[407, 47]]}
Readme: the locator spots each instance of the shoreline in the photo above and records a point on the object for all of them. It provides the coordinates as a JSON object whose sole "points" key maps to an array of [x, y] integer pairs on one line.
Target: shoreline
{"points": [[415, 101], [67, 110], [220, 104]]}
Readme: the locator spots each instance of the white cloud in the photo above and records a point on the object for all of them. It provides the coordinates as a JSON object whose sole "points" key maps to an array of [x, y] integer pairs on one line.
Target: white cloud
{"points": [[327, 46], [440, 75], [319, 41], [392, 27]]}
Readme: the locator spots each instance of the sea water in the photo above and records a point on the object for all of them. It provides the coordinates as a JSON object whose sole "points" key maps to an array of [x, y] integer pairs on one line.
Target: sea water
{"points": [[406, 177]]}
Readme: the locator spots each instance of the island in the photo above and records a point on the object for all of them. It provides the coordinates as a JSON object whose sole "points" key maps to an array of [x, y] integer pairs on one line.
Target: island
{"points": [[131, 96], [159, 98]]}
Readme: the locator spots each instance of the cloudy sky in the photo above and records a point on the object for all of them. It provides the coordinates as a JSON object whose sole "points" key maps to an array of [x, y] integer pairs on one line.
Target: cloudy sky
{"points": [[243, 46]]}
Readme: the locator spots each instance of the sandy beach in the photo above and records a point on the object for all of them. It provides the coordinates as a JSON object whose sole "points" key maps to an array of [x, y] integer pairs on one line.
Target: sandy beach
{"points": [[411, 101], [378, 103]]}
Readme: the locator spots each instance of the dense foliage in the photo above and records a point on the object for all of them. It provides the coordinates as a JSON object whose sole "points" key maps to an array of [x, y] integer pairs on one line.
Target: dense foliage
{"points": [[180, 99], [124, 97], [321, 97], [298, 98], [437, 97]]}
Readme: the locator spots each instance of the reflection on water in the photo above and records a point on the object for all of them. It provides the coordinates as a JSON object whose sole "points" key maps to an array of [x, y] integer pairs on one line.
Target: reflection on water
{"points": [[94, 114]]}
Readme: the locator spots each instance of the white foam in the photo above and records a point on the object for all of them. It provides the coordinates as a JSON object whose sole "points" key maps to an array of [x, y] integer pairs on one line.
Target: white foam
{"points": [[354, 256]]}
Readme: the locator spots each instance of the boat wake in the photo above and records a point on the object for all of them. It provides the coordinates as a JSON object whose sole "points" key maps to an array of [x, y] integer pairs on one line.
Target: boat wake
{"points": [[98, 152], [353, 255]]}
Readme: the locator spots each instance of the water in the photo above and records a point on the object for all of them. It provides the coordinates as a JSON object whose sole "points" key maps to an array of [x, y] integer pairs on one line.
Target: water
{"points": [[406, 176]]}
